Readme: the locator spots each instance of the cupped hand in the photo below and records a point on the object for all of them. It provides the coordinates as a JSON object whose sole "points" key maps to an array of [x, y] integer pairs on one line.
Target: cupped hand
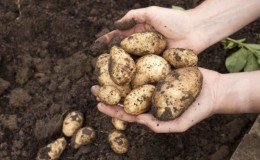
{"points": [[204, 106], [177, 26]]}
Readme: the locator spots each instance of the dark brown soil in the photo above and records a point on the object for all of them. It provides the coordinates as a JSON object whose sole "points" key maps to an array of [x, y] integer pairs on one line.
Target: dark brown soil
{"points": [[46, 70]]}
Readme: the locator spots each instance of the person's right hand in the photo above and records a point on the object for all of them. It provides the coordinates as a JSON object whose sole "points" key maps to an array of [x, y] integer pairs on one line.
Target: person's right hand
{"points": [[177, 26]]}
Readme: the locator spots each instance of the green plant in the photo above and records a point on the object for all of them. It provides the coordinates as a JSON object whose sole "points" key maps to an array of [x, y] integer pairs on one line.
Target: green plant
{"points": [[246, 58]]}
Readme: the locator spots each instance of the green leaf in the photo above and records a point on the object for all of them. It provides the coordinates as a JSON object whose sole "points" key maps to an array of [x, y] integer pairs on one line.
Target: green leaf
{"points": [[253, 46], [237, 61], [177, 8], [252, 63], [257, 54]]}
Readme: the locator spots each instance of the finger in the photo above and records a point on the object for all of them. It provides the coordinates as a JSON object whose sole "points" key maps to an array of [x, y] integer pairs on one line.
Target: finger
{"points": [[115, 111], [133, 17], [94, 89]]}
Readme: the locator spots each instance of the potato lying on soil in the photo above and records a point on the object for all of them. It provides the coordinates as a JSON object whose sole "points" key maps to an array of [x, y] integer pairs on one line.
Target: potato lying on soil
{"points": [[150, 69], [72, 122], [180, 58], [103, 77], [82, 137], [141, 44], [118, 142], [119, 124], [176, 92], [109, 95], [138, 100], [121, 66], [53, 150]]}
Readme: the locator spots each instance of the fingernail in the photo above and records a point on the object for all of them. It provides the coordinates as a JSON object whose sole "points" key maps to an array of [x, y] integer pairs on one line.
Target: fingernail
{"points": [[100, 105]]}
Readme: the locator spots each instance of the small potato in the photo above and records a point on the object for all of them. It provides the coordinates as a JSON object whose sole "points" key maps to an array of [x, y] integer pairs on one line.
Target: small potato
{"points": [[53, 150], [82, 137], [141, 44], [138, 100], [119, 124], [180, 58], [176, 93], [103, 77], [109, 95], [72, 122], [121, 66], [150, 69], [118, 142]]}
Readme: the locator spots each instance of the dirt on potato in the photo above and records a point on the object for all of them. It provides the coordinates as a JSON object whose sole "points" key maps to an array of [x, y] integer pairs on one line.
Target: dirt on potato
{"points": [[47, 69]]}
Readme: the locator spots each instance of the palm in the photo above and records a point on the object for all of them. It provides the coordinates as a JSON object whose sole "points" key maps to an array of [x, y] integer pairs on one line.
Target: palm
{"points": [[202, 108]]}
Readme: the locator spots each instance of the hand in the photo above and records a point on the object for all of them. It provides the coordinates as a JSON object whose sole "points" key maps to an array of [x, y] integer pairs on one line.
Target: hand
{"points": [[204, 106], [177, 26]]}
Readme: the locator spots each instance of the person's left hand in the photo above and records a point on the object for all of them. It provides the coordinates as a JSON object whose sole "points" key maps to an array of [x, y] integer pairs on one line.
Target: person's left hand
{"points": [[204, 106]]}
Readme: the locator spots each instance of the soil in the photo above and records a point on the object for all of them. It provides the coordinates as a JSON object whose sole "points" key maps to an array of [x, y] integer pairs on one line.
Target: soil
{"points": [[46, 70]]}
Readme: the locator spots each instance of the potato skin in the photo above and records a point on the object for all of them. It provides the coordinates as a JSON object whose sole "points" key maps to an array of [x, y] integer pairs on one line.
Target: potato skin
{"points": [[72, 122], [103, 77], [52, 150], [180, 58], [176, 93], [141, 44], [119, 124], [109, 95], [84, 136], [118, 142], [138, 100], [121, 66], [150, 69]]}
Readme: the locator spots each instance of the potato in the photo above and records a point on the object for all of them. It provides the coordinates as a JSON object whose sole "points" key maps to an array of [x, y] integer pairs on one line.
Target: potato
{"points": [[103, 77], [176, 92], [141, 44], [82, 137], [180, 58], [121, 66], [109, 95], [118, 142], [119, 124], [72, 122], [138, 100], [150, 69], [53, 150]]}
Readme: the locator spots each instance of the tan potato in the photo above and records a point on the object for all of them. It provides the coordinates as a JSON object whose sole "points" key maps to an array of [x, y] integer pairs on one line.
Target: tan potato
{"points": [[176, 93], [109, 95], [121, 66], [119, 124], [150, 69], [141, 44], [103, 77], [138, 100], [180, 58], [82, 137], [53, 150], [118, 142], [72, 122]]}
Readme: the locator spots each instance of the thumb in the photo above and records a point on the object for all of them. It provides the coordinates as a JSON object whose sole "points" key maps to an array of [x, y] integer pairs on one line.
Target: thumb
{"points": [[134, 17]]}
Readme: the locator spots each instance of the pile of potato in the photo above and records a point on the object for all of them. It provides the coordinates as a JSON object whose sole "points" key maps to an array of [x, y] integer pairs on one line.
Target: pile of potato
{"points": [[72, 127], [163, 81]]}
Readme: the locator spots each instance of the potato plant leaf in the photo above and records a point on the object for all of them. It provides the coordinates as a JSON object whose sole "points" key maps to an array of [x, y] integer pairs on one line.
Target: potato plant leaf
{"points": [[252, 63], [237, 61]]}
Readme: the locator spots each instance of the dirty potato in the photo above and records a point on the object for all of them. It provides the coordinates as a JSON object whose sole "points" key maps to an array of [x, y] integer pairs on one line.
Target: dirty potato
{"points": [[119, 124], [121, 66], [72, 122], [109, 95], [118, 142], [82, 137], [180, 58], [103, 77], [138, 100], [141, 44], [176, 92], [53, 150], [150, 69]]}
